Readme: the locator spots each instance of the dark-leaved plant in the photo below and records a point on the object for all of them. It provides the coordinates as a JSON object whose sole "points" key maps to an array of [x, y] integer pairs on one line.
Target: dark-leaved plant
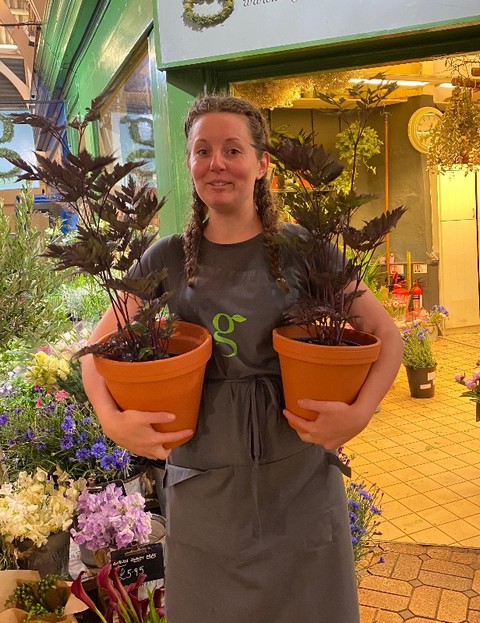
{"points": [[114, 216], [337, 254]]}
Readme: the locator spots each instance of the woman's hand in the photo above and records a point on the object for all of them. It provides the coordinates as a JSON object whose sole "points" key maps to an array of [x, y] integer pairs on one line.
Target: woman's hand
{"points": [[134, 431], [335, 424]]}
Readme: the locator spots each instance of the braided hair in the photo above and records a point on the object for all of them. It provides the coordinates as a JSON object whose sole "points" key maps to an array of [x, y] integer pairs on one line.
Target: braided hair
{"points": [[267, 210]]}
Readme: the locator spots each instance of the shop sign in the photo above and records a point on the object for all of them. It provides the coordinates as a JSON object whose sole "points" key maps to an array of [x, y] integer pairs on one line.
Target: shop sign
{"points": [[193, 31]]}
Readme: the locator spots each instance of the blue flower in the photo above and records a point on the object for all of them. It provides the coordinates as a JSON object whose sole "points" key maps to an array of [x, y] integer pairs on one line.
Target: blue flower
{"points": [[68, 425], [98, 449], [66, 442], [82, 454]]}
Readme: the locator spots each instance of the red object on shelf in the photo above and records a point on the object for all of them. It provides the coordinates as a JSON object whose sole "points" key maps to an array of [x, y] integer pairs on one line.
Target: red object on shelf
{"points": [[417, 297]]}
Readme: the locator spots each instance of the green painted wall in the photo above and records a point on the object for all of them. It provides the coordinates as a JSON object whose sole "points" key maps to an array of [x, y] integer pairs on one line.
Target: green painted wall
{"points": [[86, 43]]}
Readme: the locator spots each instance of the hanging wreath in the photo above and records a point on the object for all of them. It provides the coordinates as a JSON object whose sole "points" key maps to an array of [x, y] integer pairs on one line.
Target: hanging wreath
{"points": [[207, 20], [8, 153], [8, 130], [134, 130]]}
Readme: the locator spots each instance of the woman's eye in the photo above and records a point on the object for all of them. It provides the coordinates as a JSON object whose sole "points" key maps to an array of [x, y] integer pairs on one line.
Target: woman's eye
{"points": [[233, 151], [201, 152]]}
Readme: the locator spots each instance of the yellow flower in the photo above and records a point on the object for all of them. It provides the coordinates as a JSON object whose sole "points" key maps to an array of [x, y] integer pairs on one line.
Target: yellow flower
{"points": [[45, 370]]}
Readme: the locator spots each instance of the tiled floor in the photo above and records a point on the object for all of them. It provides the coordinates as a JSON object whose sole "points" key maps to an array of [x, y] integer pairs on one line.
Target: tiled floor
{"points": [[424, 455]]}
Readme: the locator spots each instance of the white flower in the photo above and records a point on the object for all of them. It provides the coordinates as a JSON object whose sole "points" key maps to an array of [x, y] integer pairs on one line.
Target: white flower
{"points": [[35, 506]]}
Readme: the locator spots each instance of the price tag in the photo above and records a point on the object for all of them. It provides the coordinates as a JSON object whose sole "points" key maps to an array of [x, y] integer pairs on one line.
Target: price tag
{"points": [[133, 562]]}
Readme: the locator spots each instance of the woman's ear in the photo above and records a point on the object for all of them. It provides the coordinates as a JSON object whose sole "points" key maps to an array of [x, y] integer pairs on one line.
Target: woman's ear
{"points": [[263, 164]]}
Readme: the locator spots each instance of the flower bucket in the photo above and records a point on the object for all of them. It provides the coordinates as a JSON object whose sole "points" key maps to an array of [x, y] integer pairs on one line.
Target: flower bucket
{"points": [[51, 558], [174, 384], [421, 382], [323, 372]]}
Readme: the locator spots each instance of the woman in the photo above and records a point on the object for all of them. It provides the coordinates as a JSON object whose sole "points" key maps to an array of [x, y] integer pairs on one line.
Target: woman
{"points": [[257, 520]]}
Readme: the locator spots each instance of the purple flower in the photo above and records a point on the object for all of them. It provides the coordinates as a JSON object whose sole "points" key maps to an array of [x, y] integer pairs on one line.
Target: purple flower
{"points": [[82, 454], [98, 449], [66, 442], [68, 425], [3, 419]]}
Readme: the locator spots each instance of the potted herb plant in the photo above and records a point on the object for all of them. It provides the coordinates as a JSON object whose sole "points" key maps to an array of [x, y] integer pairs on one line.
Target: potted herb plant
{"points": [[335, 255], [114, 216], [419, 360]]}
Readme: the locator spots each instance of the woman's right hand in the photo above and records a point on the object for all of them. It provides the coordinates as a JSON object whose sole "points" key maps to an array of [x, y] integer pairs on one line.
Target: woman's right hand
{"points": [[134, 431]]}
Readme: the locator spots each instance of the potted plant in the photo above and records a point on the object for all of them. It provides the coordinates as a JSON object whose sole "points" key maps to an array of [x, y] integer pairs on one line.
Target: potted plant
{"points": [[334, 254], [35, 514], [113, 232], [109, 519], [419, 360]]}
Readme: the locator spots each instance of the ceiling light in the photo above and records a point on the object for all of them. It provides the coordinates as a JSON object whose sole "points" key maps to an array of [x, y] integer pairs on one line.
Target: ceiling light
{"points": [[400, 83], [8, 46], [446, 85]]}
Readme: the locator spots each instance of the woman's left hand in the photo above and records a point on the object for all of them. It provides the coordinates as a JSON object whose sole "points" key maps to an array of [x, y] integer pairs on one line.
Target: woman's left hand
{"points": [[336, 423]]}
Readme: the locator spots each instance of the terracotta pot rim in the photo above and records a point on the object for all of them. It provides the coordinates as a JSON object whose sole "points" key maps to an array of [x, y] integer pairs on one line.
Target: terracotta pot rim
{"points": [[366, 352], [170, 366]]}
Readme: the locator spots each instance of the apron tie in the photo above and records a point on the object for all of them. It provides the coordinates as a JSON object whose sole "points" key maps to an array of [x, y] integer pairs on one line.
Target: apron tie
{"points": [[255, 437]]}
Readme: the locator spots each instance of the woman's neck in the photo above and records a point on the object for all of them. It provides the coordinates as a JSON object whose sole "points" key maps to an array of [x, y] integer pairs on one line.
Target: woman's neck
{"points": [[229, 231]]}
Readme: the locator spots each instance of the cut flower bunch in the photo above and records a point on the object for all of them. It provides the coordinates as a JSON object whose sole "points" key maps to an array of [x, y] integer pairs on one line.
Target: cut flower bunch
{"points": [[124, 604], [35, 506], [111, 519], [472, 387]]}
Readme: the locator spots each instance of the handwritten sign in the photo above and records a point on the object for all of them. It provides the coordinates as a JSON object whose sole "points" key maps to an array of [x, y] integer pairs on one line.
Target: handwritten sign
{"points": [[143, 559]]}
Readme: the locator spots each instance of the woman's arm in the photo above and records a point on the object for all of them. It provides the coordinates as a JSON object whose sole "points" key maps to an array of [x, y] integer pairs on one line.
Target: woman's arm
{"points": [[130, 429], [338, 422]]}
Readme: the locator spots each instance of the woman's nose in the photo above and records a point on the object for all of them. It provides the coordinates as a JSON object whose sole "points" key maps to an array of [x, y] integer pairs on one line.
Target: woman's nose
{"points": [[217, 161]]}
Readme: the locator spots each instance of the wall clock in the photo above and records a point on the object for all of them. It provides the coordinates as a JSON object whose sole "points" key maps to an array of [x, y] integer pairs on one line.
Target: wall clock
{"points": [[420, 124]]}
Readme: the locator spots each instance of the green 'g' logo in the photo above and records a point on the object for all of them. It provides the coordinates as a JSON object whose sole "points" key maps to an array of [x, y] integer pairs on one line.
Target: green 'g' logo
{"points": [[228, 323], [207, 19]]}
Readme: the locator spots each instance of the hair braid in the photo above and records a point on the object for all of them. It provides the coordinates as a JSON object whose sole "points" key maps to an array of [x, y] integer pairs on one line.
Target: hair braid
{"points": [[192, 237]]}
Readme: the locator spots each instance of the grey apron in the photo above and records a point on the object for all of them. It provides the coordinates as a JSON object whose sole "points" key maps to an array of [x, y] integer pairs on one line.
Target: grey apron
{"points": [[257, 520]]}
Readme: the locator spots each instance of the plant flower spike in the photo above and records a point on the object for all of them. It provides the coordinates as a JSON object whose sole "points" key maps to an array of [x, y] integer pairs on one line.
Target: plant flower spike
{"points": [[123, 602]]}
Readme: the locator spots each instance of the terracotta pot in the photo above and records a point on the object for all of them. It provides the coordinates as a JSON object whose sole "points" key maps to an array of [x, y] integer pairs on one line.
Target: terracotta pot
{"points": [[323, 372], [173, 384], [421, 382]]}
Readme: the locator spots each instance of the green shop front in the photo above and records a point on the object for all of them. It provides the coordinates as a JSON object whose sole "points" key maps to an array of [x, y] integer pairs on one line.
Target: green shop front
{"points": [[150, 59]]}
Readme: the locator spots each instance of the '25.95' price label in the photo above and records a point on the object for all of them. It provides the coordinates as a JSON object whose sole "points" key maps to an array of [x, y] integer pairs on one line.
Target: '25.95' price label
{"points": [[132, 562]]}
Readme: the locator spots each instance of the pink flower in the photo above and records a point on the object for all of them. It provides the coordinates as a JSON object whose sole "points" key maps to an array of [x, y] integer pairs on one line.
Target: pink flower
{"points": [[459, 377], [38, 403], [470, 383], [61, 395]]}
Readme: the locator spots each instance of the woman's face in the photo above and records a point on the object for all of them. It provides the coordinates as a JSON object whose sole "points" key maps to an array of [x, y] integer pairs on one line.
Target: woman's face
{"points": [[223, 164]]}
